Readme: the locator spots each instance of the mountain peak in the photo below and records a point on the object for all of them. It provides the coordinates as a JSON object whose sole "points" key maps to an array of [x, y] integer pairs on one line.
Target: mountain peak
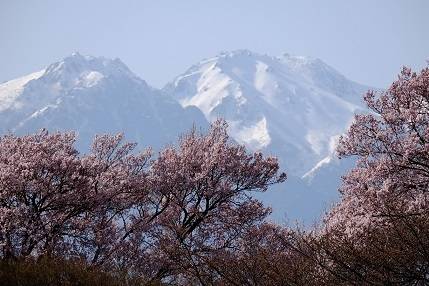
{"points": [[82, 71], [290, 106], [264, 97], [296, 64], [93, 95], [71, 69]]}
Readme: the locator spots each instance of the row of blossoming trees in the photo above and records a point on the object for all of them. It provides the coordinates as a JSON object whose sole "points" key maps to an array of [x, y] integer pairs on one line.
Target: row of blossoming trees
{"points": [[187, 217]]}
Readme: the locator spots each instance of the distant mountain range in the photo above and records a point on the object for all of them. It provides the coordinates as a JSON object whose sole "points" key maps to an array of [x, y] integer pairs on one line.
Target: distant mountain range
{"points": [[292, 107], [93, 95]]}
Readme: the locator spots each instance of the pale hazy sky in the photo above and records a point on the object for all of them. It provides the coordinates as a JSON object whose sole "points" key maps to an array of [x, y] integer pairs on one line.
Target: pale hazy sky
{"points": [[366, 40]]}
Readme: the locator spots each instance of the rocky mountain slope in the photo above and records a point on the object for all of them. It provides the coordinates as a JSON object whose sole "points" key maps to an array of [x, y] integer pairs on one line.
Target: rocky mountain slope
{"points": [[93, 95], [292, 107]]}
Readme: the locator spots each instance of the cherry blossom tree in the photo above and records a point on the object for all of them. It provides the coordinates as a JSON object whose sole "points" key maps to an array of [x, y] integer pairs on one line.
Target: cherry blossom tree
{"points": [[203, 184], [120, 210], [52, 200], [187, 217], [379, 231], [268, 254]]}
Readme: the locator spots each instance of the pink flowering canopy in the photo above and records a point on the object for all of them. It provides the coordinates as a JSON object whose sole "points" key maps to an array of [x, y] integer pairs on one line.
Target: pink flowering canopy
{"points": [[391, 178], [118, 208]]}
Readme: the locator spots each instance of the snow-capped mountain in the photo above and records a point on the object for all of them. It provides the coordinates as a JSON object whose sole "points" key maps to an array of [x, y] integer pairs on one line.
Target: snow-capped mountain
{"points": [[293, 107], [93, 95]]}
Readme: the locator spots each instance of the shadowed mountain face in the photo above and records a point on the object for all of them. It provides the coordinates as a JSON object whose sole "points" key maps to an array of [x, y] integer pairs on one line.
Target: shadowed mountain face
{"points": [[93, 95], [292, 107], [295, 107]]}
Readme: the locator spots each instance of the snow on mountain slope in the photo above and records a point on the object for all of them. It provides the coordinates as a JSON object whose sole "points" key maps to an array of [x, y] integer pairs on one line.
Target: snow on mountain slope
{"points": [[10, 90], [292, 107], [93, 95], [295, 106]]}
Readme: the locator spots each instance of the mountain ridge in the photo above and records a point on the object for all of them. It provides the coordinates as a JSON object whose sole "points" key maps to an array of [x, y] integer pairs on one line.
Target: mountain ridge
{"points": [[292, 107], [257, 93], [94, 95]]}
